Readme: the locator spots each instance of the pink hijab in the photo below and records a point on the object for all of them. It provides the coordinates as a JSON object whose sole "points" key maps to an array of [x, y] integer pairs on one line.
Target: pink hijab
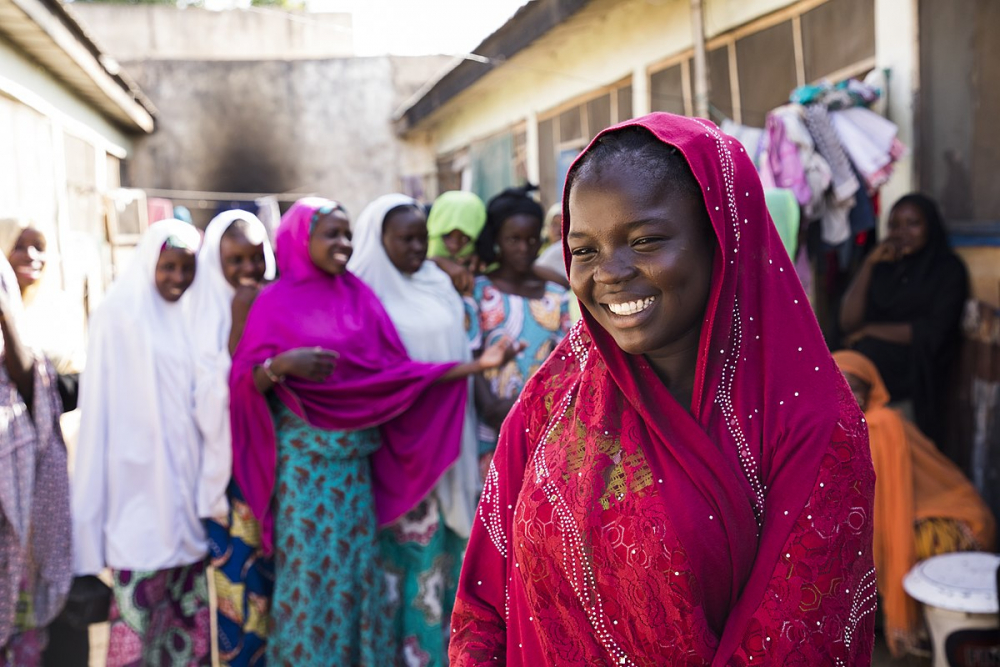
{"points": [[766, 391], [630, 527], [375, 383]]}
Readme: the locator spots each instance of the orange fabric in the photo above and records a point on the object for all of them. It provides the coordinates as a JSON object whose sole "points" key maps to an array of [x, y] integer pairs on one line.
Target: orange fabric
{"points": [[913, 481]]}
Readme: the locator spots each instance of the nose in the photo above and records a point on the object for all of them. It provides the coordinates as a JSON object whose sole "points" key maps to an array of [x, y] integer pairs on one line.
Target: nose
{"points": [[35, 255], [617, 268]]}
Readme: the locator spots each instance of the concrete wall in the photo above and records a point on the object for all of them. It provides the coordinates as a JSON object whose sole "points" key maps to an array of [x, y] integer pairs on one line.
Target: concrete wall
{"points": [[164, 32], [307, 126]]}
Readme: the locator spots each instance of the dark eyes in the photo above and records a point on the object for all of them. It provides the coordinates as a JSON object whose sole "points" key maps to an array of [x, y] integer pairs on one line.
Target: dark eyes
{"points": [[645, 242]]}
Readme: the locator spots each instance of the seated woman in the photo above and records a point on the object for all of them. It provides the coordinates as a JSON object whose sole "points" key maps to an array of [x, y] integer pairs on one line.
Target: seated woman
{"points": [[924, 505], [512, 301], [686, 480], [903, 309], [455, 221], [335, 430]]}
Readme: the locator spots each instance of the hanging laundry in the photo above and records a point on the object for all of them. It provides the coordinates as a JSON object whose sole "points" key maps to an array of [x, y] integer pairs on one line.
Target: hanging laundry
{"points": [[750, 137], [786, 215], [845, 183], [816, 169], [870, 141], [780, 166], [159, 209], [269, 213]]}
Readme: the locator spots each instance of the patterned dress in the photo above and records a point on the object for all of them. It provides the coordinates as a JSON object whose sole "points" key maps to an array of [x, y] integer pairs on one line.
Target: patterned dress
{"points": [[329, 597], [244, 583], [541, 323], [423, 558], [161, 618]]}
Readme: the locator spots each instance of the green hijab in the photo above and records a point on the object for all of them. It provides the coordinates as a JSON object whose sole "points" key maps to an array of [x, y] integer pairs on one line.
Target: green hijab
{"points": [[453, 210]]}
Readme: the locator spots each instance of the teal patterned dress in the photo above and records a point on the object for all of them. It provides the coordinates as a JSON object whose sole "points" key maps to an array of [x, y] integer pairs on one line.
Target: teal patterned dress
{"points": [[422, 557], [329, 605]]}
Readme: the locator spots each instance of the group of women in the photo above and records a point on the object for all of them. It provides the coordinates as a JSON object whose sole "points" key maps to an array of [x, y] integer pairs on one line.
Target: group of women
{"points": [[387, 436], [313, 437]]}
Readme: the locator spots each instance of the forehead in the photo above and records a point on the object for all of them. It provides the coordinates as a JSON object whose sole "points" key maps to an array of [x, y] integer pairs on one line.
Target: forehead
{"points": [[520, 223], [31, 235], [175, 255], [627, 195], [907, 210], [335, 218], [405, 219]]}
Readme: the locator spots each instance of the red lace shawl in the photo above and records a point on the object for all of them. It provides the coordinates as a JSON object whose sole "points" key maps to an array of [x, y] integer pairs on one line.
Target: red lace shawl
{"points": [[615, 527]]}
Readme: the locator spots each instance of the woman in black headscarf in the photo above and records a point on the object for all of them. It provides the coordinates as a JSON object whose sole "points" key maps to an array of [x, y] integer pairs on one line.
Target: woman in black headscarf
{"points": [[903, 308]]}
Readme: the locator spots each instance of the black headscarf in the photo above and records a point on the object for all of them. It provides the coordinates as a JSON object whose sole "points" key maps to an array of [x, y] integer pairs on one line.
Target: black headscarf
{"points": [[928, 290]]}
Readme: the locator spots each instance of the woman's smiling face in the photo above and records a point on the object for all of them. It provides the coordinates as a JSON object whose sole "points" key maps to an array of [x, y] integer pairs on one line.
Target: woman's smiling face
{"points": [[642, 259]]}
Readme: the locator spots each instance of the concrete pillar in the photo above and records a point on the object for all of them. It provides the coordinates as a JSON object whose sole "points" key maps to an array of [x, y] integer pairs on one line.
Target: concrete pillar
{"points": [[640, 92], [897, 50]]}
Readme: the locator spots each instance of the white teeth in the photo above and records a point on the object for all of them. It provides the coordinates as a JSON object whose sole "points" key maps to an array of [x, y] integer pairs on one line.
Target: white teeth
{"points": [[632, 307]]}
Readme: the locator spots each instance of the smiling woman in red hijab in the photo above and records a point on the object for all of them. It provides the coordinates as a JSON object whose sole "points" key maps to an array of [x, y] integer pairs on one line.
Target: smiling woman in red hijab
{"points": [[687, 479]]}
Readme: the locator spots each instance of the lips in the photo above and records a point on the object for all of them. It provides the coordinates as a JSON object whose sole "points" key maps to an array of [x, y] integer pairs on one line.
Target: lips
{"points": [[341, 257], [631, 307]]}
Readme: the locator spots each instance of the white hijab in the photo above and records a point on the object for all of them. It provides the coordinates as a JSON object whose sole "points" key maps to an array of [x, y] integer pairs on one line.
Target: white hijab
{"points": [[430, 318], [136, 476], [211, 319]]}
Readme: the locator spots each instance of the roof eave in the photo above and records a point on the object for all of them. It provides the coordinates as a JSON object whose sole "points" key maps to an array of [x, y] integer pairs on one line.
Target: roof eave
{"points": [[531, 22], [56, 39]]}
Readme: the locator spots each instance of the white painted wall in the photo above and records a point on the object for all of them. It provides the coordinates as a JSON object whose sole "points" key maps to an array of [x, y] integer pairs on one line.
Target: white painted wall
{"points": [[22, 79], [606, 42], [37, 112]]}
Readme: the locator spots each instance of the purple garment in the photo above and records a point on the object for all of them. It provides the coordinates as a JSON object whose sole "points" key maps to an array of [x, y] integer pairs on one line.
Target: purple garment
{"points": [[782, 162], [34, 504], [375, 382]]}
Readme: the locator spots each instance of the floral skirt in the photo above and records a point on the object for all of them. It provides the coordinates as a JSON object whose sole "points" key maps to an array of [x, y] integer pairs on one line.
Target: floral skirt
{"points": [[422, 559], [160, 618], [244, 584]]}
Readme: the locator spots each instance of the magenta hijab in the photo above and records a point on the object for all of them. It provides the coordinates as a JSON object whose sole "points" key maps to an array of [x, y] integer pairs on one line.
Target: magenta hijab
{"points": [[375, 383], [766, 390]]}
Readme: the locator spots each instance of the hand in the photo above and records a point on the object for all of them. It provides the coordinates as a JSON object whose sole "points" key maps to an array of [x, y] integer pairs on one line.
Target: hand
{"points": [[308, 363], [461, 277], [853, 338], [500, 352], [886, 251]]}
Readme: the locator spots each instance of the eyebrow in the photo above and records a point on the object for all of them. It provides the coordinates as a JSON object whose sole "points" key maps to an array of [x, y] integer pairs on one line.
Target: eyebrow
{"points": [[630, 225]]}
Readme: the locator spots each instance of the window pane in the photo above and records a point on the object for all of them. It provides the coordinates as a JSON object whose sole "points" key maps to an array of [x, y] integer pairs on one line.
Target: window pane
{"points": [[598, 115], [721, 96], [570, 125], [666, 90], [837, 34], [624, 104], [766, 65]]}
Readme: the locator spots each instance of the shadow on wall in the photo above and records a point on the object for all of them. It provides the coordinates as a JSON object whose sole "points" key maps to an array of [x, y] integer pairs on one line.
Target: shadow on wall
{"points": [[322, 126]]}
